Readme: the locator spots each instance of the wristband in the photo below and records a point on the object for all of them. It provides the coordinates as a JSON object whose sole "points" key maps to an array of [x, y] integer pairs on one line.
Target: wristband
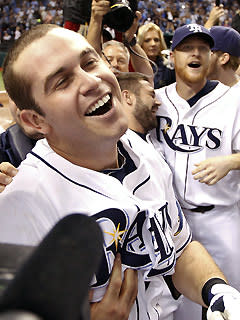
{"points": [[206, 290]]}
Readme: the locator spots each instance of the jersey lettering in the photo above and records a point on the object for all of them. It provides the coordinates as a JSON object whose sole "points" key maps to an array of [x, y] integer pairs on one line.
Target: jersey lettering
{"points": [[130, 240], [188, 138], [163, 245]]}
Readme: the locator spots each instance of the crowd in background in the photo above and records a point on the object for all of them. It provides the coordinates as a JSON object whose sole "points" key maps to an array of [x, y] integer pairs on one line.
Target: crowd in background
{"points": [[169, 15], [17, 16]]}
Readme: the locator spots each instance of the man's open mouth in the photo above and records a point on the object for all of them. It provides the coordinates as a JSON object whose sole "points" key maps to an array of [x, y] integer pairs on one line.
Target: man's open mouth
{"points": [[101, 107], [194, 65]]}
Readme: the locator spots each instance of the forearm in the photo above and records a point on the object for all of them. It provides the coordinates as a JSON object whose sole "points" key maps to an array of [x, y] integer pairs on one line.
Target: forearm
{"points": [[98, 10], [234, 161], [94, 34], [141, 64], [193, 268]]}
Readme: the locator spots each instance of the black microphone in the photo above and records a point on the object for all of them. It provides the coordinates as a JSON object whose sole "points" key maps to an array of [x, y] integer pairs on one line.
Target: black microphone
{"points": [[53, 282]]}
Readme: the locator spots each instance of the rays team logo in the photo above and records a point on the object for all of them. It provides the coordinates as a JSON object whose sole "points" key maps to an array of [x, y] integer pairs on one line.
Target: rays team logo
{"points": [[131, 239], [188, 138], [194, 27]]}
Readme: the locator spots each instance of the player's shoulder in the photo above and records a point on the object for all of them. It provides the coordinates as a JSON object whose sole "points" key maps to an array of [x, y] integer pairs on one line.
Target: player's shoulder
{"points": [[141, 149], [164, 90], [132, 140]]}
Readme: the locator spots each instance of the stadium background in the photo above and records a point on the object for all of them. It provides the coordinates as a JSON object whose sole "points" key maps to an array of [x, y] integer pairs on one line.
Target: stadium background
{"points": [[19, 15]]}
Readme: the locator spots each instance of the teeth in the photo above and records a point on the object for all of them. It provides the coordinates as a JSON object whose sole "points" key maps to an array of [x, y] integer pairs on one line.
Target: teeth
{"points": [[98, 104]]}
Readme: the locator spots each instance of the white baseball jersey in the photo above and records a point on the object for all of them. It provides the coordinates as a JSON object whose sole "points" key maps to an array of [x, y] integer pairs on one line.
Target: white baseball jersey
{"points": [[188, 135], [210, 127], [134, 205], [237, 85]]}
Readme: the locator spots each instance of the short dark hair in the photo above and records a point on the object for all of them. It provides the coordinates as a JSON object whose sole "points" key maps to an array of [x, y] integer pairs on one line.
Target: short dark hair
{"points": [[233, 62], [131, 80], [17, 85]]}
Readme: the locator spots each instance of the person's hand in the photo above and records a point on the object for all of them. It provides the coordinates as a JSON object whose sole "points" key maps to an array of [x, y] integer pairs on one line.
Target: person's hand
{"points": [[129, 34], [211, 170], [119, 297], [99, 9], [225, 303], [215, 14], [7, 171]]}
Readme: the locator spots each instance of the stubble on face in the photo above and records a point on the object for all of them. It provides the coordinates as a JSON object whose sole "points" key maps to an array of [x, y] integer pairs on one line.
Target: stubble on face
{"points": [[189, 76], [144, 115], [213, 67], [191, 64]]}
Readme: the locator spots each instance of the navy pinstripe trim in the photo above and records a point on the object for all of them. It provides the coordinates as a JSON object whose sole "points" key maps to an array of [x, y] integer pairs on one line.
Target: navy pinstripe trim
{"points": [[158, 315], [141, 184], [65, 177], [209, 104], [137, 307], [188, 240], [173, 104]]}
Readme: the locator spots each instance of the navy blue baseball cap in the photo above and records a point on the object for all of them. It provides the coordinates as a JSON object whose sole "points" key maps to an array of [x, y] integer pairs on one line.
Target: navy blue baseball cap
{"points": [[189, 30], [226, 40]]}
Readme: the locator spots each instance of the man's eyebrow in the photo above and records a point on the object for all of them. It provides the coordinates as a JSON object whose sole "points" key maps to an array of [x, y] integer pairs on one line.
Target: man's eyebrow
{"points": [[62, 69], [50, 77]]}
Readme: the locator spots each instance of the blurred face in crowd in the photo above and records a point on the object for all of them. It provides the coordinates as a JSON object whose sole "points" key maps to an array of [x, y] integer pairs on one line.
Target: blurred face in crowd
{"points": [[79, 96], [191, 60], [117, 58], [151, 44]]}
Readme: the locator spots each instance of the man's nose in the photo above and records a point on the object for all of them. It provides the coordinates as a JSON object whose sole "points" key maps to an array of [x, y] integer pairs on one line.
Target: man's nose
{"points": [[195, 51], [88, 82]]}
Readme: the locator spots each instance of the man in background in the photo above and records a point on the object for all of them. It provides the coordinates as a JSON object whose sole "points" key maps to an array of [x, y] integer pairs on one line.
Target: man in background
{"points": [[199, 133], [75, 101], [225, 58]]}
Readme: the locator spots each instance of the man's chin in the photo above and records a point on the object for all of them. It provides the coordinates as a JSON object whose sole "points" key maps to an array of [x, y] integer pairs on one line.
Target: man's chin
{"points": [[194, 78]]}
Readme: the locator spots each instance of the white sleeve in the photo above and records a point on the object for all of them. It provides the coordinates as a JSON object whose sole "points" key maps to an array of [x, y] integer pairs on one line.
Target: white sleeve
{"points": [[23, 218]]}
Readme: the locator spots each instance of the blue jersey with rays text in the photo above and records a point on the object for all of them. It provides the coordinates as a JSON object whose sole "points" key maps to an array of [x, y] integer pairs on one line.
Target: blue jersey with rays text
{"points": [[134, 205]]}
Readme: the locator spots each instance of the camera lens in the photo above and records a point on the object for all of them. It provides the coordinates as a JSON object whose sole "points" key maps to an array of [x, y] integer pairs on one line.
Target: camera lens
{"points": [[120, 17]]}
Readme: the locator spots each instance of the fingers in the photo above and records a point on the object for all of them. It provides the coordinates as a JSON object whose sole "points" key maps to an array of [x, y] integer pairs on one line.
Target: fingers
{"points": [[129, 288], [115, 281], [125, 291], [119, 297], [8, 169], [205, 174], [138, 15], [100, 7]]}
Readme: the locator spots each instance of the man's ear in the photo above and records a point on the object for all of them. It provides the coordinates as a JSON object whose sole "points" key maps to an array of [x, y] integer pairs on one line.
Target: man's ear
{"points": [[32, 119], [224, 58], [171, 57], [128, 97]]}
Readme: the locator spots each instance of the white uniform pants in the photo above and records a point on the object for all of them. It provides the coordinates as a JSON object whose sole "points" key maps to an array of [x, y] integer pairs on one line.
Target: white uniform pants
{"points": [[219, 232]]}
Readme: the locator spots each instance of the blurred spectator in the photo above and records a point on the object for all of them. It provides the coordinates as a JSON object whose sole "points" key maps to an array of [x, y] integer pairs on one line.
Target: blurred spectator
{"points": [[151, 39], [168, 15], [214, 17], [6, 36], [17, 33], [17, 16]]}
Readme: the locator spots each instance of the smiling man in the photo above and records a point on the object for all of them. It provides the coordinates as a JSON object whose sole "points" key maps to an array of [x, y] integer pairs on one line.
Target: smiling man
{"points": [[86, 164], [198, 129], [139, 102]]}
